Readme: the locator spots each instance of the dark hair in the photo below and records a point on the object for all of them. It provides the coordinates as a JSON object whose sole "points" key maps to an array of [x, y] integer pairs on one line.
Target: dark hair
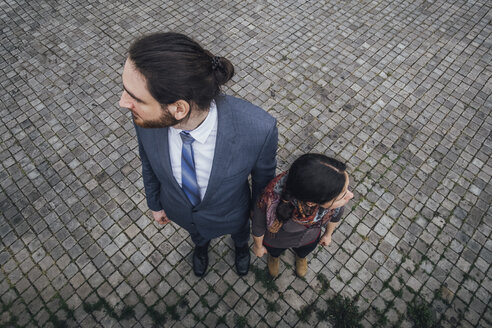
{"points": [[312, 178], [176, 67]]}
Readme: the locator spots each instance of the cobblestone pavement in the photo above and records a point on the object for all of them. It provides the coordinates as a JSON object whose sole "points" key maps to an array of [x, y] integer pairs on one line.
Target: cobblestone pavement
{"points": [[399, 89]]}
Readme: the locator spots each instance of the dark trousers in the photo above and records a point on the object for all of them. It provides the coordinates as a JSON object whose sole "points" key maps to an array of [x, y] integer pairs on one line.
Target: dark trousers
{"points": [[240, 238], [301, 252]]}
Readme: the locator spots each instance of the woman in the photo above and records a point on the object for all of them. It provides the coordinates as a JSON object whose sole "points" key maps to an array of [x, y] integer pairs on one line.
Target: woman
{"points": [[295, 206]]}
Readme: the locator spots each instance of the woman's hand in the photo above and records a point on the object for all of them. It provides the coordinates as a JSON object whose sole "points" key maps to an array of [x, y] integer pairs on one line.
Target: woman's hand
{"points": [[325, 240], [259, 250]]}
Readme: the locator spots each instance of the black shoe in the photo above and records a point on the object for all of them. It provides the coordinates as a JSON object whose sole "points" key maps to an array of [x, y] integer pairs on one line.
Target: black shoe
{"points": [[200, 260], [242, 260]]}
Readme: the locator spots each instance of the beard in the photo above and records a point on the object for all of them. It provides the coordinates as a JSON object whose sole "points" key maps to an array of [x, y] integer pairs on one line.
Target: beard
{"points": [[165, 120]]}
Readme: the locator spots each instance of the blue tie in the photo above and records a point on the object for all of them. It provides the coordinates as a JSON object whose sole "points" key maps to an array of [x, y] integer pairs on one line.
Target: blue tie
{"points": [[188, 174]]}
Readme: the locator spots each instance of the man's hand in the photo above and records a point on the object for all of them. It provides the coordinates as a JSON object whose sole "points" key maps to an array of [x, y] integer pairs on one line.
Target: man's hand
{"points": [[259, 250], [325, 240], [160, 217]]}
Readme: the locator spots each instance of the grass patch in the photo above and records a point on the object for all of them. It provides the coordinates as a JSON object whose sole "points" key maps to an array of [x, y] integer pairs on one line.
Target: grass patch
{"points": [[342, 313], [101, 305], [221, 320], [172, 311], [382, 320], [11, 323], [325, 284], [6, 306], [64, 307], [204, 302], [395, 292], [305, 312], [53, 318], [420, 313], [158, 318], [264, 278], [57, 323], [240, 321], [272, 306]]}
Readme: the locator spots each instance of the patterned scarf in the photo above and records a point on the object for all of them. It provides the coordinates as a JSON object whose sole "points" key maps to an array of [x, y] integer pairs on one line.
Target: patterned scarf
{"points": [[309, 216]]}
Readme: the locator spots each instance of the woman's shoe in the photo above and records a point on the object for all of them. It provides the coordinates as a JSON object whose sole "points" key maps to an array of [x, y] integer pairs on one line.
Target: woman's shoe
{"points": [[301, 266], [273, 265]]}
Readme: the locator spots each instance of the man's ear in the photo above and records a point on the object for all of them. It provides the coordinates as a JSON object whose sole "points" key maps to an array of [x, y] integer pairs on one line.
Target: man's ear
{"points": [[180, 109], [310, 204]]}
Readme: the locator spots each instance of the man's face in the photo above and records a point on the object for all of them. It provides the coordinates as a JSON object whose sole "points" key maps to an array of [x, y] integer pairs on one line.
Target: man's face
{"points": [[146, 110]]}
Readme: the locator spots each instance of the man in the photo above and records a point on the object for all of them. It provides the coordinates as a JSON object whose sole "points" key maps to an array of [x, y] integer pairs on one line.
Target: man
{"points": [[198, 147]]}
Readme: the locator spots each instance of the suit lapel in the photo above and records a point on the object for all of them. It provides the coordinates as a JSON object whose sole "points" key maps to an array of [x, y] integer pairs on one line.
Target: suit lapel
{"points": [[223, 145]]}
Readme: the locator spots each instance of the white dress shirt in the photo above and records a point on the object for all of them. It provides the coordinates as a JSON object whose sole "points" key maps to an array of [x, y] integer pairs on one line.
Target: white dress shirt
{"points": [[203, 149]]}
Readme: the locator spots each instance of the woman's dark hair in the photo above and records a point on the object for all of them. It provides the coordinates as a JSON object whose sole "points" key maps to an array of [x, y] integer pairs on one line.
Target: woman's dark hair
{"points": [[312, 178], [176, 67]]}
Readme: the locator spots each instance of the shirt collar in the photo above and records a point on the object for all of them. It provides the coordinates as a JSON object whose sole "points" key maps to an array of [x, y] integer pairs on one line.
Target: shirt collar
{"points": [[202, 132]]}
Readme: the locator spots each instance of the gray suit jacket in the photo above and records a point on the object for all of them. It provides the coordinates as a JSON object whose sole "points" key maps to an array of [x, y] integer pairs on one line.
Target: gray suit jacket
{"points": [[246, 144]]}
